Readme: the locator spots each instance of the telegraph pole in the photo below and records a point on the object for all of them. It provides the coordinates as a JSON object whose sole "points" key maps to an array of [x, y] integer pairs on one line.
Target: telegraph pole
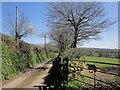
{"points": [[45, 42], [16, 25], [45, 45]]}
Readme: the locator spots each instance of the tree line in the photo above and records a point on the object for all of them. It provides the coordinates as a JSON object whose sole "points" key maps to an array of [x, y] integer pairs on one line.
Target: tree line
{"points": [[97, 52]]}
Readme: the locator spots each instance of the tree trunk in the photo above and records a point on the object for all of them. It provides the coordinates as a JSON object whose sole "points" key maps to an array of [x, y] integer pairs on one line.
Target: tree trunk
{"points": [[75, 43], [75, 39]]}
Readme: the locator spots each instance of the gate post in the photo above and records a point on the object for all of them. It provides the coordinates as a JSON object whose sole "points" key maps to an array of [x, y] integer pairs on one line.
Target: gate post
{"points": [[94, 77], [65, 68]]}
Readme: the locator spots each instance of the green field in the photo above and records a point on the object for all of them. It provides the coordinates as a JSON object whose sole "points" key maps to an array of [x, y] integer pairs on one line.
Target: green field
{"points": [[101, 59]]}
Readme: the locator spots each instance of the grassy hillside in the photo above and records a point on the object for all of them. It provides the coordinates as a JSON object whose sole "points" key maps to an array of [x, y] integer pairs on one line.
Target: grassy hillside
{"points": [[15, 60]]}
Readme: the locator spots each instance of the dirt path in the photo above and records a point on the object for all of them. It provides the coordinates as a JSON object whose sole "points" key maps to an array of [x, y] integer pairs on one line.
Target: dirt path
{"points": [[30, 78]]}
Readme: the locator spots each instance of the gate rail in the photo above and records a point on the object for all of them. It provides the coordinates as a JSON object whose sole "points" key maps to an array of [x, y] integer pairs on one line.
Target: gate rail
{"points": [[94, 78]]}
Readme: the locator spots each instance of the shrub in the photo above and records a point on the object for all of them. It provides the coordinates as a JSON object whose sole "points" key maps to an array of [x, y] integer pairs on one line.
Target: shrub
{"points": [[73, 53], [7, 64]]}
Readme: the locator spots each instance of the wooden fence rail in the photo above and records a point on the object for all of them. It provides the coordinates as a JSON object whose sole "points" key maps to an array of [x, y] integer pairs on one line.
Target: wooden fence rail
{"points": [[94, 73]]}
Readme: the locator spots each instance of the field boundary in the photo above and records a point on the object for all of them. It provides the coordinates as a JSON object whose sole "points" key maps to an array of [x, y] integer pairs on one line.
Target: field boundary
{"points": [[94, 73]]}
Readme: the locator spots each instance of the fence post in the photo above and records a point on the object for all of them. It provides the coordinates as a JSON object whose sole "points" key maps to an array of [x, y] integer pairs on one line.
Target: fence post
{"points": [[65, 68], [94, 77], [67, 71]]}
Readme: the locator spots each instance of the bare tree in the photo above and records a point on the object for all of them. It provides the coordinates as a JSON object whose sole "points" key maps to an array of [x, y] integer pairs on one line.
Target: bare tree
{"points": [[85, 20], [61, 38], [19, 27]]}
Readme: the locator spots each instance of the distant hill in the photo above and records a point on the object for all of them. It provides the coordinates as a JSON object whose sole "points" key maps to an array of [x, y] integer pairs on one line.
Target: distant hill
{"points": [[108, 53]]}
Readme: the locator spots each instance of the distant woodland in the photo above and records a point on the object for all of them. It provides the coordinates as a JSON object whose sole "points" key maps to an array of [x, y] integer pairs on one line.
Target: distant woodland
{"points": [[97, 52]]}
